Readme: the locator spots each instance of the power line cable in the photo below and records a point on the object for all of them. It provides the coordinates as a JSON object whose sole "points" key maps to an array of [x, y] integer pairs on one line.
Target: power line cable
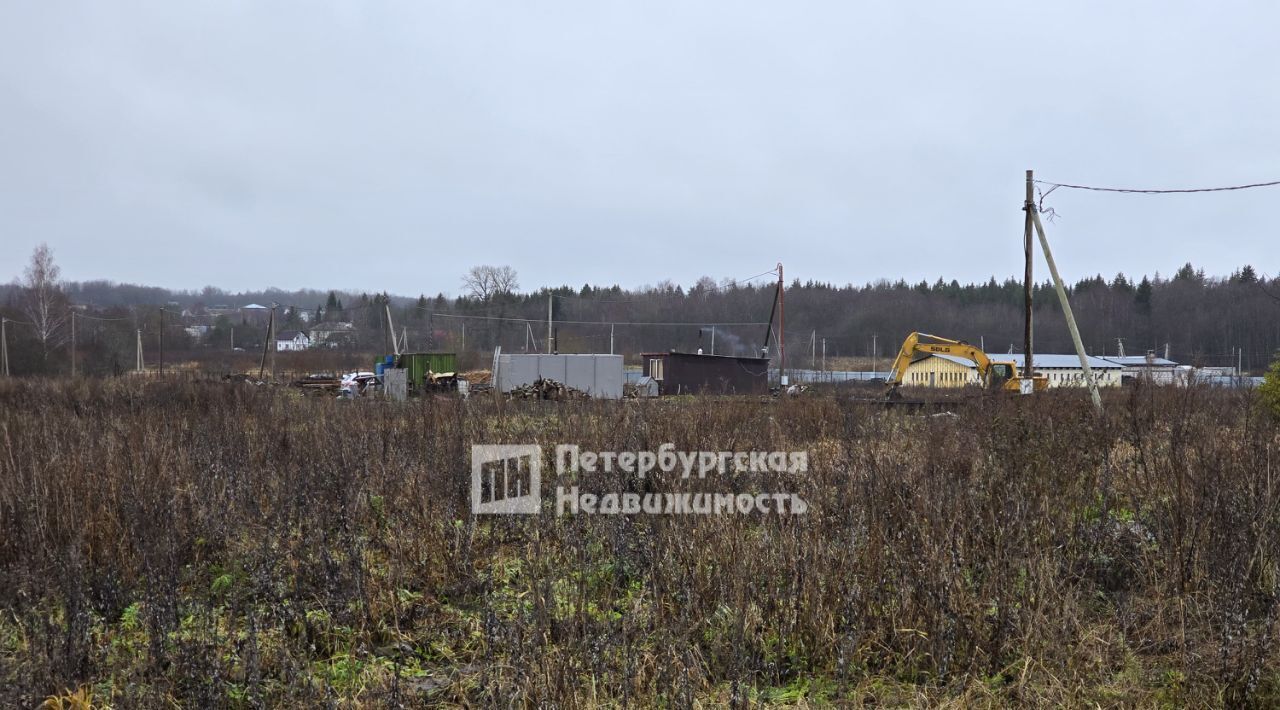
{"points": [[1069, 186], [592, 322], [89, 317]]}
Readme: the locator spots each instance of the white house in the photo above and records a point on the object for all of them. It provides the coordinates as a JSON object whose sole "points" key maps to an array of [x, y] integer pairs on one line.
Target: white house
{"points": [[292, 340]]}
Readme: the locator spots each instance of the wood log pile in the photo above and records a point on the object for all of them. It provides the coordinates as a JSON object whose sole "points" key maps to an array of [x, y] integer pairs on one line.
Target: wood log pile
{"points": [[321, 382], [476, 377], [547, 388]]}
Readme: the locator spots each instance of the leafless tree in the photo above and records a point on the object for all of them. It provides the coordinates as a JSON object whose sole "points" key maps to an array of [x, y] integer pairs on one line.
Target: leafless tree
{"points": [[485, 282], [43, 300]]}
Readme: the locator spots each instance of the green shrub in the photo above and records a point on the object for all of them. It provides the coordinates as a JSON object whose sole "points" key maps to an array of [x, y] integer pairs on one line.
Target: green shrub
{"points": [[1270, 389]]}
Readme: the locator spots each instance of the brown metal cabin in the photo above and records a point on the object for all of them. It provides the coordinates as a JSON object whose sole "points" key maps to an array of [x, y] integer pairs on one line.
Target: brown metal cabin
{"points": [[690, 373]]}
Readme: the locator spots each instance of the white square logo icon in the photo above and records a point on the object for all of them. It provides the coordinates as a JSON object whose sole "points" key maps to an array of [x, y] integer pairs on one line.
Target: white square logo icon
{"points": [[506, 479]]}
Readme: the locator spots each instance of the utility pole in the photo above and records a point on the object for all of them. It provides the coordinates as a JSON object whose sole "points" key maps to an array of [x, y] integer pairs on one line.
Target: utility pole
{"points": [[262, 364], [528, 331], [139, 364], [274, 345], [1029, 251], [161, 341], [4, 347], [782, 330], [73, 343], [550, 319], [1066, 311], [813, 350], [233, 338], [391, 328], [875, 353], [824, 354], [713, 340]]}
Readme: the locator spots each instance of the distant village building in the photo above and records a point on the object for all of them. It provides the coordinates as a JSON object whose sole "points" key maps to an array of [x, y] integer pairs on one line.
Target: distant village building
{"points": [[940, 370], [288, 340], [332, 335], [255, 313]]}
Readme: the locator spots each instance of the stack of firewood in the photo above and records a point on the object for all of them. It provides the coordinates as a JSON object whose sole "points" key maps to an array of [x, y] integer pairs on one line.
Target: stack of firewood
{"points": [[547, 388]]}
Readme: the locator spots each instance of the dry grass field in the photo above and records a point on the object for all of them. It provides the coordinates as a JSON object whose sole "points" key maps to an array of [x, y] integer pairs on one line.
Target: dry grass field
{"points": [[200, 544]]}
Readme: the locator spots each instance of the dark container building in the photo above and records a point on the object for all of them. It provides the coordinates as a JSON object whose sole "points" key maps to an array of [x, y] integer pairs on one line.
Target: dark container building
{"points": [[691, 373]]}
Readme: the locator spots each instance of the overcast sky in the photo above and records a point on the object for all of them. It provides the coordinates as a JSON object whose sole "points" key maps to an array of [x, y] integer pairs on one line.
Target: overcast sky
{"points": [[390, 146]]}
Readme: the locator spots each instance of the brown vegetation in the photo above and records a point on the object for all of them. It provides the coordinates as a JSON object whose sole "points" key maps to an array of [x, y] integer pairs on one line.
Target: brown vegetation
{"points": [[221, 545]]}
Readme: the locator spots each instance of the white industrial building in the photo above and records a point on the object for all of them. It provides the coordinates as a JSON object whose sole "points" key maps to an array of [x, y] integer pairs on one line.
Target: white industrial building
{"points": [[1149, 368]]}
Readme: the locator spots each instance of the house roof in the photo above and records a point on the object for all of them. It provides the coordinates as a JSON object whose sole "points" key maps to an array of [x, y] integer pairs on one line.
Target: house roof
{"points": [[253, 306], [289, 334], [1045, 360]]}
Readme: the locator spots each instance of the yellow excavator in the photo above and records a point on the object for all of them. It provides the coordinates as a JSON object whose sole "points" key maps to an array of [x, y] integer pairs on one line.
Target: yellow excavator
{"points": [[994, 374]]}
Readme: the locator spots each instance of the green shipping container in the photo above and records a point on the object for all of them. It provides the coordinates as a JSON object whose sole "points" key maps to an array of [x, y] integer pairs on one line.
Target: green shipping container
{"points": [[418, 364]]}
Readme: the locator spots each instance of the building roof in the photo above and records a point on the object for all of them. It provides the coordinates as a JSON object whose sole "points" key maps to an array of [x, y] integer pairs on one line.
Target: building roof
{"points": [[253, 306], [707, 356], [1045, 360], [289, 334], [1141, 361]]}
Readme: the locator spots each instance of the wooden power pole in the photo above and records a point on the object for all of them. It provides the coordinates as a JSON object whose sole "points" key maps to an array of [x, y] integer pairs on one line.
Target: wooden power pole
{"points": [[262, 365], [161, 341], [782, 330], [275, 345], [4, 348], [1029, 207], [1066, 311]]}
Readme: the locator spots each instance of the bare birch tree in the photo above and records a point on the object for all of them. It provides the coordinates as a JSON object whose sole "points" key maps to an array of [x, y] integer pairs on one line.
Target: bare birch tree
{"points": [[43, 300]]}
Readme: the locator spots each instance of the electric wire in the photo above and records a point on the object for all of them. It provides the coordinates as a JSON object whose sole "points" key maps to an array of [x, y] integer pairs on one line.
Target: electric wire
{"points": [[1144, 191]]}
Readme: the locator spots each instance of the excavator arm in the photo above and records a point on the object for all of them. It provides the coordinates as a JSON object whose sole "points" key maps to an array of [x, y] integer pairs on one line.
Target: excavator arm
{"points": [[1002, 374], [935, 344]]}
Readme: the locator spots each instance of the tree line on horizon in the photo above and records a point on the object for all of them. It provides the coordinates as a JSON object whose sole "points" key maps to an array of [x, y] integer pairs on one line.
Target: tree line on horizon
{"points": [[1199, 319]]}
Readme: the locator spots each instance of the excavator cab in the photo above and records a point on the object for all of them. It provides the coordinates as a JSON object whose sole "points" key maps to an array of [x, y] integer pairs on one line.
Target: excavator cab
{"points": [[1001, 372]]}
